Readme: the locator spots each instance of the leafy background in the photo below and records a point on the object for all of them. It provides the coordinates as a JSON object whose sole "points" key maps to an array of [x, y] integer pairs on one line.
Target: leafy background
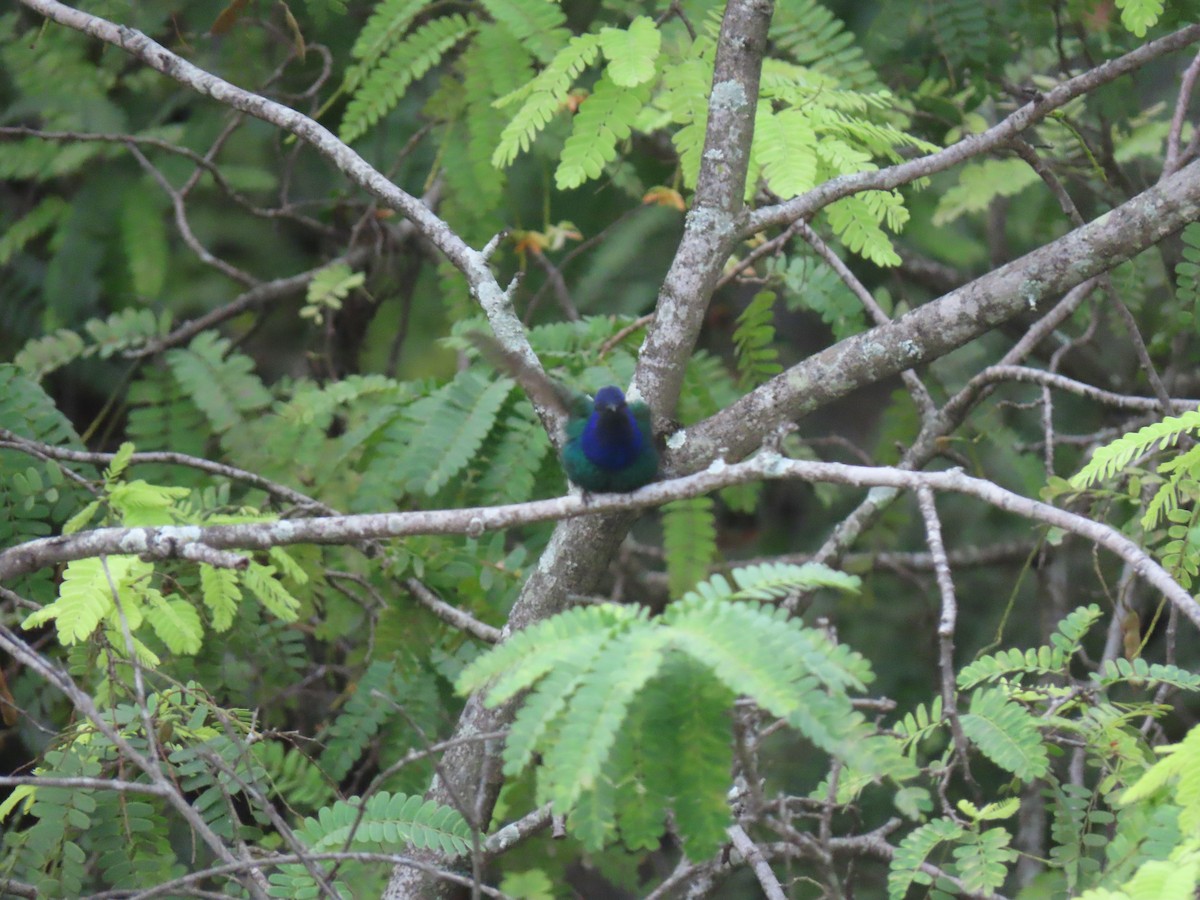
{"points": [[283, 698]]}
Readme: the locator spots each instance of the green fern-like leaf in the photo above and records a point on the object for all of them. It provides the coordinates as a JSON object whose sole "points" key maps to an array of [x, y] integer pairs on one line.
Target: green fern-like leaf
{"points": [[86, 596], [755, 651], [164, 417], [27, 410], [294, 777], [595, 714], [604, 120], [41, 356], [1139, 15], [812, 36], [914, 850], [767, 581], [385, 820], [700, 759], [379, 823], [139, 503], [685, 100], [919, 724], [856, 221], [599, 672], [43, 217], [1177, 768], [383, 87], [689, 542], [707, 387], [631, 52], [963, 32], [221, 383], [675, 755], [514, 458], [42, 160], [144, 239], [176, 622], [1115, 671], [444, 431], [983, 859], [221, 594], [492, 66], [539, 26], [1187, 274], [543, 97], [274, 596], [754, 339], [593, 816], [1050, 659], [536, 718], [388, 22], [785, 144], [1180, 471], [129, 838], [120, 331], [528, 655], [1072, 805], [1113, 457], [1006, 733], [1011, 664], [1068, 635], [348, 735], [643, 760], [979, 184]]}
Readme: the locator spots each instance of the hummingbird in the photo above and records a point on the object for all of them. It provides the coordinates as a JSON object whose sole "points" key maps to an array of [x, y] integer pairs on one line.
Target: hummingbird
{"points": [[608, 445]]}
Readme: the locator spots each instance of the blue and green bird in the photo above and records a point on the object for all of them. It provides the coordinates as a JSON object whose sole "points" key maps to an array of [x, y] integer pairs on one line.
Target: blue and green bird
{"points": [[609, 443]]}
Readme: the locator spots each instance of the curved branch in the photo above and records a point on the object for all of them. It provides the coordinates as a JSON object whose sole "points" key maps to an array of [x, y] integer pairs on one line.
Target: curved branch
{"points": [[942, 325]]}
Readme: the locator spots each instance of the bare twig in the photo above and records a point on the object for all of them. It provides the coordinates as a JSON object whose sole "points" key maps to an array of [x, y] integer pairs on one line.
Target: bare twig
{"points": [[758, 864], [452, 615], [946, 625], [1175, 157], [916, 389]]}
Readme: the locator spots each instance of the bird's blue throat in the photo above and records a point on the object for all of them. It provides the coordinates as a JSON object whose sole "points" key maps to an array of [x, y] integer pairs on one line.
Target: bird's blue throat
{"points": [[611, 439]]}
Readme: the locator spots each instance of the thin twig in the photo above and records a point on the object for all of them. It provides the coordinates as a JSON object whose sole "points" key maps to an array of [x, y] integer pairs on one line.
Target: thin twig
{"points": [[946, 626]]}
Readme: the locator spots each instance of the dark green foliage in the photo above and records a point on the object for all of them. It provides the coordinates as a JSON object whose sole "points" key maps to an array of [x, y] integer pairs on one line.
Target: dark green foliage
{"points": [[689, 542], [299, 681], [757, 359], [35, 497], [347, 736], [380, 822], [600, 677]]}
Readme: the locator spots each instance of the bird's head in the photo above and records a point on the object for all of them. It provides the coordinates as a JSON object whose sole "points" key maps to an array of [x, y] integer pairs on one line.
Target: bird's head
{"points": [[609, 399]]}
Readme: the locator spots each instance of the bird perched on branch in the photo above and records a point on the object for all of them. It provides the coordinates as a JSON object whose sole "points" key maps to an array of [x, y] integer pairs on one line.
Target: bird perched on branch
{"points": [[609, 443]]}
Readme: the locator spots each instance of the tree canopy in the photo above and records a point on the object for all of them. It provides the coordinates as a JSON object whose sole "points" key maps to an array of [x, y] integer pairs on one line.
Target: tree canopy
{"points": [[296, 601]]}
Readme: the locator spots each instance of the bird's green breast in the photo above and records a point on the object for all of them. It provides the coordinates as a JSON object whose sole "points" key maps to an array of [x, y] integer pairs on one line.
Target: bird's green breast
{"points": [[639, 471]]}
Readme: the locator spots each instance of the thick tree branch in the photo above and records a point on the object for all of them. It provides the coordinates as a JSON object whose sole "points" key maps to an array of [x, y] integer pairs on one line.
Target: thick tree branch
{"points": [[717, 210], [942, 325], [578, 552], [166, 541]]}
